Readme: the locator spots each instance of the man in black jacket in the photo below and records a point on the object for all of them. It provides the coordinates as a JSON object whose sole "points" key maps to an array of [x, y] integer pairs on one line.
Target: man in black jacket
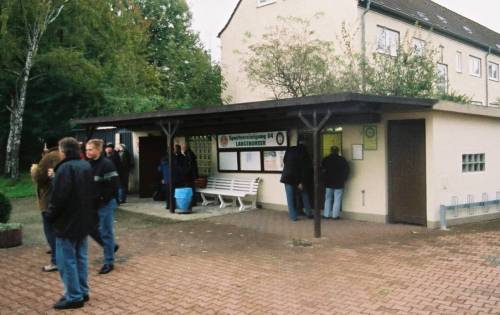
{"points": [[71, 213], [126, 164], [106, 183], [335, 172], [295, 176]]}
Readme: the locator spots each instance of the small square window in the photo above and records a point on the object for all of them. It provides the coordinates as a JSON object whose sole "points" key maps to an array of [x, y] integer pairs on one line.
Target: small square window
{"points": [[387, 41], [475, 66], [418, 46], [493, 71], [473, 163]]}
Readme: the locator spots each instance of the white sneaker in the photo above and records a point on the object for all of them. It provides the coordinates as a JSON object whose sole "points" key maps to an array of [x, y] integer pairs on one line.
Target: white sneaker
{"points": [[49, 268]]}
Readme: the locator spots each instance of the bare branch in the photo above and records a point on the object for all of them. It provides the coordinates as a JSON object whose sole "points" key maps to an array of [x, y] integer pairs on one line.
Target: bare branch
{"points": [[26, 24], [38, 76], [11, 71], [55, 13], [11, 107]]}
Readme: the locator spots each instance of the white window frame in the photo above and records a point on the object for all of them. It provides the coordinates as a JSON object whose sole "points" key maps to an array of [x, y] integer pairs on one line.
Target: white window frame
{"points": [[418, 46], [387, 44], [261, 3], [458, 62], [471, 66], [492, 65], [442, 84]]}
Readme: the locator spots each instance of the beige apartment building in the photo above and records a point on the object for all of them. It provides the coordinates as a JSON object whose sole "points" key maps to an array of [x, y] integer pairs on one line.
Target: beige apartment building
{"points": [[468, 53]]}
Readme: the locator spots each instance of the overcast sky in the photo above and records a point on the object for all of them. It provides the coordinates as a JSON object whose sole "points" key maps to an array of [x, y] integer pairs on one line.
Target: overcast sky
{"points": [[210, 16]]}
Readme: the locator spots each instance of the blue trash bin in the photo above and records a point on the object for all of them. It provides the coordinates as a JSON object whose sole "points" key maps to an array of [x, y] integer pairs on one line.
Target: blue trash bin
{"points": [[183, 198]]}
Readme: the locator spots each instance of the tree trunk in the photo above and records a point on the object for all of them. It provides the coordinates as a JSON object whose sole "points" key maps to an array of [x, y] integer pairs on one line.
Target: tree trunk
{"points": [[8, 150], [17, 114]]}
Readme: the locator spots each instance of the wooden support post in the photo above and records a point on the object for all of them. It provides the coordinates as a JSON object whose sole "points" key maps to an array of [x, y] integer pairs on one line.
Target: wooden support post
{"points": [[169, 129], [316, 128]]}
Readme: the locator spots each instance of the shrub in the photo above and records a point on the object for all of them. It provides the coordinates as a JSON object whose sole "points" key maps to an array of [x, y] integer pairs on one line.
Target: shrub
{"points": [[10, 226], [455, 97], [5, 209]]}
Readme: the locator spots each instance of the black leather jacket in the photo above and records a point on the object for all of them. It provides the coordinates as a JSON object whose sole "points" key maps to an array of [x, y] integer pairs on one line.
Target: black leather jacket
{"points": [[106, 180]]}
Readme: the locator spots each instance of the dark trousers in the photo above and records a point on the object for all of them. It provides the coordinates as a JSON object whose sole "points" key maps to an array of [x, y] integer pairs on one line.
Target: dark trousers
{"points": [[48, 230], [166, 191]]}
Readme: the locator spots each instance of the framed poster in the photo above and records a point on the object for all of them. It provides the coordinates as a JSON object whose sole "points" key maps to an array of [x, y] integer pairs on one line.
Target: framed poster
{"points": [[250, 161], [228, 161], [357, 151], [370, 137], [273, 160]]}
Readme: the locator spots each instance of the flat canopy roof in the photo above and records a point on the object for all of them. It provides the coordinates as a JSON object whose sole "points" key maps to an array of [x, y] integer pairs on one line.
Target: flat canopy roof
{"points": [[262, 115]]}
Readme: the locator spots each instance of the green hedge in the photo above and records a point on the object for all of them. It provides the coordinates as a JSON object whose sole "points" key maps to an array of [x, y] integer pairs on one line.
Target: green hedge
{"points": [[5, 209]]}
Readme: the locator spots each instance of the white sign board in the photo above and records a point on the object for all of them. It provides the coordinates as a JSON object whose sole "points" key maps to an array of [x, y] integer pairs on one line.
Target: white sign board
{"points": [[253, 140], [273, 161], [250, 161], [228, 161]]}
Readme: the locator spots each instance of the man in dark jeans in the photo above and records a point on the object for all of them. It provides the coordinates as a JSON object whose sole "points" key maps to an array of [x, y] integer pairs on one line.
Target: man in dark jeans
{"points": [[295, 175], [335, 171], [106, 183], [70, 212], [126, 164], [40, 175]]}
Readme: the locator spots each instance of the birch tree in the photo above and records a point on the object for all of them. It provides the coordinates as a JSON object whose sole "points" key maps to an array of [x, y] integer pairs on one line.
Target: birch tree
{"points": [[36, 16]]}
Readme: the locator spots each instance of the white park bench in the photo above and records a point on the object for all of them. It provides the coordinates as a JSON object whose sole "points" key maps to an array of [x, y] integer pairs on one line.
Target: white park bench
{"points": [[230, 187]]}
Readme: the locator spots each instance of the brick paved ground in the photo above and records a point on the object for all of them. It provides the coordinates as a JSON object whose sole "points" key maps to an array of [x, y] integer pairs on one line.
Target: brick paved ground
{"points": [[249, 264]]}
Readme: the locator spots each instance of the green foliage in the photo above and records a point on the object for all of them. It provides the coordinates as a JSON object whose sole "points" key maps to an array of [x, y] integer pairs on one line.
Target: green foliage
{"points": [[291, 61], [5, 208], [455, 97], [406, 74], [10, 226], [101, 58], [188, 77], [23, 187]]}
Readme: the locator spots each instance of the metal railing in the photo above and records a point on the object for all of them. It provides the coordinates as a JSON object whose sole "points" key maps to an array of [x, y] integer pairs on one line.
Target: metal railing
{"points": [[468, 209]]}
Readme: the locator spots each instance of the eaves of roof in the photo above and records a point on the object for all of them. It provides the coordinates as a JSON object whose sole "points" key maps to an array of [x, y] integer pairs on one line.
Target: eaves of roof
{"points": [[230, 19]]}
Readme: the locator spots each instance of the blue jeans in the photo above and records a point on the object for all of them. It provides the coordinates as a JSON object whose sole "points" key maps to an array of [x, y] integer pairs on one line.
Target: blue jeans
{"points": [[48, 230], [121, 194], [333, 197], [106, 218], [72, 262], [290, 199]]}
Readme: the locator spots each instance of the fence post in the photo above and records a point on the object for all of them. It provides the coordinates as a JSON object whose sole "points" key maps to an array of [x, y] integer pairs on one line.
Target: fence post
{"points": [[442, 217]]}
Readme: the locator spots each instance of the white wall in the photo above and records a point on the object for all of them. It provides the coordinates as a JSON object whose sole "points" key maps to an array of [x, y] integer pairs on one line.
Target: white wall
{"points": [[455, 134]]}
